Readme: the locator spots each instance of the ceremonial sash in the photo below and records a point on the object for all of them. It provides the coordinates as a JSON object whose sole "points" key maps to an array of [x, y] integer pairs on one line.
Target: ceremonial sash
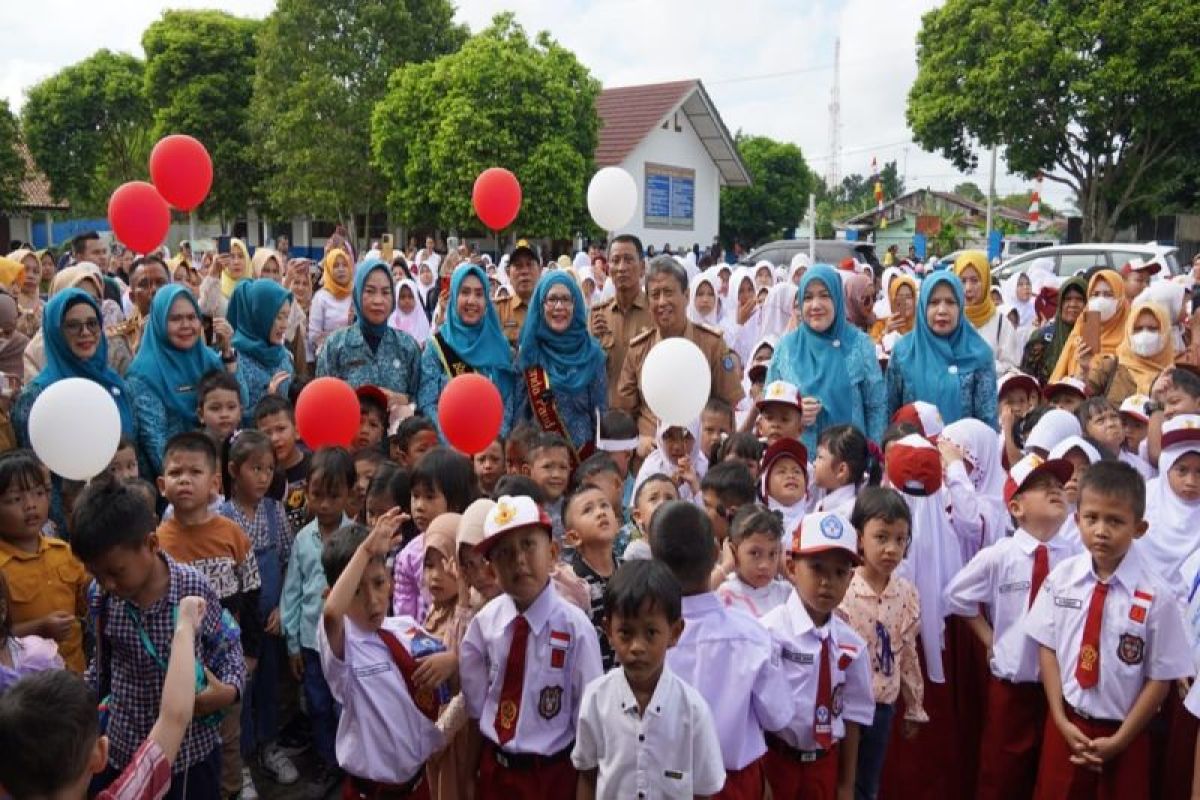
{"points": [[541, 400], [452, 362]]}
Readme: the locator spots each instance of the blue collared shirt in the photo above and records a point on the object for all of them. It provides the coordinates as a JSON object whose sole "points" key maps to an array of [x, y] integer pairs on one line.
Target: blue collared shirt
{"points": [[395, 365]]}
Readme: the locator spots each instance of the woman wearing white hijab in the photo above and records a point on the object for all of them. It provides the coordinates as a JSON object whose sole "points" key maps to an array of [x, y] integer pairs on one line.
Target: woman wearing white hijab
{"points": [[1169, 295], [975, 479], [689, 264], [743, 316], [708, 287], [1018, 294], [800, 262], [413, 320]]}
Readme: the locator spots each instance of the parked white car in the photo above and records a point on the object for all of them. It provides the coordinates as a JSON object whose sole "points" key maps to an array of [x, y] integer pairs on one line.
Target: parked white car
{"points": [[1072, 259]]}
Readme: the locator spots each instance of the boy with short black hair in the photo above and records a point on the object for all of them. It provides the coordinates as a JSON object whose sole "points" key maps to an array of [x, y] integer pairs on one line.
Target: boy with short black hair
{"points": [[1006, 577], [725, 654], [367, 461], [415, 437], [601, 470], [618, 436], [525, 661], [61, 752], [669, 747], [1112, 642], [653, 492], [275, 417], [549, 465], [828, 666], [367, 658], [591, 529], [141, 586], [516, 448], [724, 489], [716, 422], [489, 465], [219, 404], [373, 416], [124, 464]]}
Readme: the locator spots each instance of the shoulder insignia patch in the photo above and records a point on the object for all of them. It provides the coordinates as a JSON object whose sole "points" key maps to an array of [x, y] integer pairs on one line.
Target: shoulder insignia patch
{"points": [[641, 336], [713, 329]]}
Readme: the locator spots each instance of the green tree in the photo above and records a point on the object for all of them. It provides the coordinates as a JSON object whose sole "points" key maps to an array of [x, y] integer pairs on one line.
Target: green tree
{"points": [[88, 128], [775, 202], [971, 191], [321, 69], [857, 192], [502, 100], [12, 161], [199, 78], [1097, 95]]}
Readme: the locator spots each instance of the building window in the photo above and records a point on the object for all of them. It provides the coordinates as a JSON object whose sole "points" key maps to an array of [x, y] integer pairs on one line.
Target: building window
{"points": [[670, 194]]}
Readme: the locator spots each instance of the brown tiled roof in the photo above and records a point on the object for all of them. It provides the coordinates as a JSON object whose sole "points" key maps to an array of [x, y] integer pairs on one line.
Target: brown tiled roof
{"points": [[35, 188], [629, 113]]}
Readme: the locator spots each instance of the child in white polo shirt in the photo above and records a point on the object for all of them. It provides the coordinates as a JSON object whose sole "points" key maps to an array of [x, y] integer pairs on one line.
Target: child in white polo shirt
{"points": [[644, 732]]}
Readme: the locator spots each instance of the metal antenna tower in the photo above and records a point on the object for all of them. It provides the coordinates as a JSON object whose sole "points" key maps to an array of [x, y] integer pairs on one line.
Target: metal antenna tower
{"points": [[833, 177]]}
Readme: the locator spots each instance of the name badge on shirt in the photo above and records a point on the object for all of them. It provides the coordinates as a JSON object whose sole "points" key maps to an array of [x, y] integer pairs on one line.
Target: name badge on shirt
{"points": [[1140, 606], [368, 670], [1015, 586], [560, 643], [798, 658], [673, 774], [1068, 602]]}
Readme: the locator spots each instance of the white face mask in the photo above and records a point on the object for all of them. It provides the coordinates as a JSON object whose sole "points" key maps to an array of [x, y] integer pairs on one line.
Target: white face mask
{"points": [[1107, 306], [1146, 343]]}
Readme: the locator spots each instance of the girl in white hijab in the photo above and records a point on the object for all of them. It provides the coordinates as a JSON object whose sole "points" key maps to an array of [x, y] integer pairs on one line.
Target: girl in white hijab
{"points": [[800, 263], [764, 274], [760, 356], [778, 312], [743, 316], [705, 306], [1018, 294], [587, 284], [409, 316], [974, 476], [678, 456]]}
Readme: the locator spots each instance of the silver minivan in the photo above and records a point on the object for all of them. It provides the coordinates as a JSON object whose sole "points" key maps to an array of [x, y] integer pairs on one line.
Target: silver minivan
{"points": [[1072, 259]]}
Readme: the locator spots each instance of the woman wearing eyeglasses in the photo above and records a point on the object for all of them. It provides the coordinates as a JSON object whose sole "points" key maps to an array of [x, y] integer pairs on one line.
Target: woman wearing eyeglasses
{"points": [[170, 362], [562, 379]]}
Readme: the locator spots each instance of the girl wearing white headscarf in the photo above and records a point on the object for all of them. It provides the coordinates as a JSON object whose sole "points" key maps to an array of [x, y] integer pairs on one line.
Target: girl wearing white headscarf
{"points": [[779, 310], [710, 285], [1017, 292], [743, 316], [760, 355], [977, 509], [586, 279], [800, 262], [669, 458], [413, 320], [764, 274], [1171, 538]]}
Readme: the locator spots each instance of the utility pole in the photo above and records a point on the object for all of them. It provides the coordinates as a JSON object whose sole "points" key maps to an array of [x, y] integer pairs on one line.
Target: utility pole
{"points": [[991, 197], [833, 176]]}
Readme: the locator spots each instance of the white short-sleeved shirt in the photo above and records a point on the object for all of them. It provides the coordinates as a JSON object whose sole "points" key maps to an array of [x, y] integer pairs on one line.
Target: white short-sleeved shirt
{"points": [[382, 735], [1142, 635], [799, 641], [1001, 576], [562, 656], [670, 752], [728, 657], [736, 593]]}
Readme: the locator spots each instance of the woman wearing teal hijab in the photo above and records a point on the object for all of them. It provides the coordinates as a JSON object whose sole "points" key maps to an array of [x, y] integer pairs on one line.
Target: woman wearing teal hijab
{"points": [[371, 352], [560, 361], [73, 330], [171, 360], [470, 340], [943, 361], [829, 359], [258, 312]]}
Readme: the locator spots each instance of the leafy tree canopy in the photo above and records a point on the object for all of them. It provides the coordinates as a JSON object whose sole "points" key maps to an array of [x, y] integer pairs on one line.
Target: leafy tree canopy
{"points": [[12, 163], [776, 201]]}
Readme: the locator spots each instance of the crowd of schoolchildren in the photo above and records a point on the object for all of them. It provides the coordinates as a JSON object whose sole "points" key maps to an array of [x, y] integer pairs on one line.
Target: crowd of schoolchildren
{"points": [[950, 613]]}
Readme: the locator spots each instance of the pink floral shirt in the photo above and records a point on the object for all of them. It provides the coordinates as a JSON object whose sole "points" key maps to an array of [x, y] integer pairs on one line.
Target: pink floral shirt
{"points": [[891, 619]]}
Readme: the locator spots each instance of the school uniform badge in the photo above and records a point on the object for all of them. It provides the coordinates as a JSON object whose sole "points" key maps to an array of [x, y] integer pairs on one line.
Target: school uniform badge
{"points": [[832, 528], [550, 702], [1131, 649]]}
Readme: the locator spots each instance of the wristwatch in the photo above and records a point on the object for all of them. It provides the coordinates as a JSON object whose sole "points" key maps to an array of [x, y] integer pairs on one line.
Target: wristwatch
{"points": [[1152, 407]]}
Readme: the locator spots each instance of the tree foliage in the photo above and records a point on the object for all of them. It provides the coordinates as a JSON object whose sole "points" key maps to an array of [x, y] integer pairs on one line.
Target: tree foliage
{"points": [[502, 100], [12, 163], [199, 77], [1098, 95], [88, 128], [321, 69], [971, 191], [776, 201]]}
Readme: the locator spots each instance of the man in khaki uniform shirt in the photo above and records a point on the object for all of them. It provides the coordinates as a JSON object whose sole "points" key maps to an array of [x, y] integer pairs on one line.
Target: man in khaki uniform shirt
{"points": [[618, 320], [524, 270], [666, 287]]}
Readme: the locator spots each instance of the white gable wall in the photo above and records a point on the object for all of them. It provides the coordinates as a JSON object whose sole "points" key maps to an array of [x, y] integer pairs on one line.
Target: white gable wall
{"points": [[676, 149]]}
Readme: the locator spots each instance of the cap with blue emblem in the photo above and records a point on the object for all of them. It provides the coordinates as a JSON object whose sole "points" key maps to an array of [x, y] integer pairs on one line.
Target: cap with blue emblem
{"points": [[820, 533]]}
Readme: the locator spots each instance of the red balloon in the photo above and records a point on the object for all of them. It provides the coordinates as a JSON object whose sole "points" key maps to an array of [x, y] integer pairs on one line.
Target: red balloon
{"points": [[496, 197], [182, 171], [327, 413], [470, 412], [139, 216]]}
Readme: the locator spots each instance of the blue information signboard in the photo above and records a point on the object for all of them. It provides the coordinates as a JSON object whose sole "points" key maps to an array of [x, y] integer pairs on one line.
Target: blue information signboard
{"points": [[670, 197]]}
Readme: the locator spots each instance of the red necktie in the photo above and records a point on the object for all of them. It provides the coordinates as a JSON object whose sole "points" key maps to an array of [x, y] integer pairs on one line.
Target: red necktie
{"points": [[823, 712], [514, 683], [424, 699], [1041, 568], [1087, 670]]}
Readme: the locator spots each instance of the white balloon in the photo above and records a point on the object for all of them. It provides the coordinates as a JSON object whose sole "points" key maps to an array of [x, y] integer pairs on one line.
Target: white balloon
{"points": [[676, 379], [612, 198], [75, 427]]}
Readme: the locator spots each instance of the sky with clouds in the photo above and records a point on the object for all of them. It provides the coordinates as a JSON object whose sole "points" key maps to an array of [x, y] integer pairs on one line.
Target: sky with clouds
{"points": [[768, 64]]}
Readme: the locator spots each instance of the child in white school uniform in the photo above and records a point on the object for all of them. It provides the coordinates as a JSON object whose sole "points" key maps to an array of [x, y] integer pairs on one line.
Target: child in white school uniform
{"points": [[524, 662], [643, 731], [1173, 500], [386, 731], [827, 664], [1080, 454], [1006, 578], [846, 461], [974, 478], [1112, 642], [724, 653], [755, 586]]}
